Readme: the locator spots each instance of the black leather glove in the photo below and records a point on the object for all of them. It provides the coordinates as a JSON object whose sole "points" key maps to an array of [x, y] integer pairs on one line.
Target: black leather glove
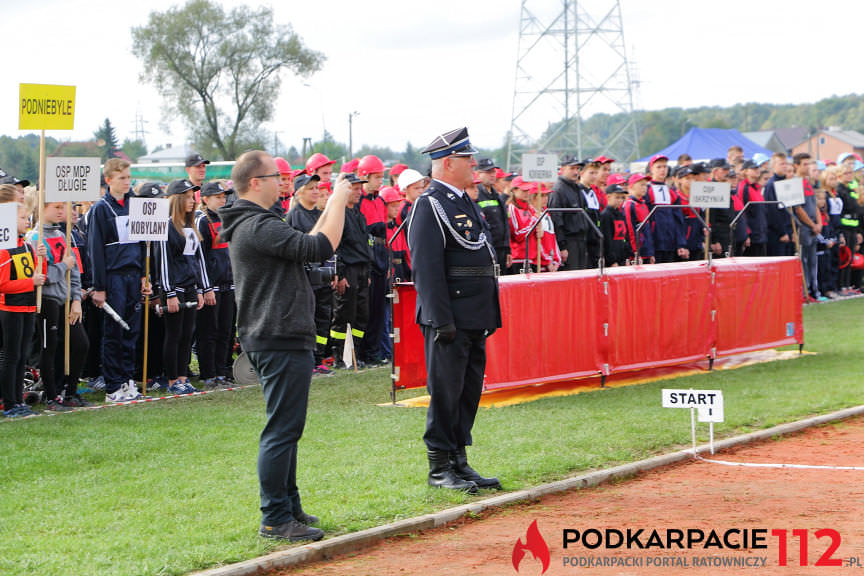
{"points": [[445, 334]]}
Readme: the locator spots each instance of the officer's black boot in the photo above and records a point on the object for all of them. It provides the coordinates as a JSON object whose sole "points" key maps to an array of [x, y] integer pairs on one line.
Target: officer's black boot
{"points": [[441, 473], [459, 461]]}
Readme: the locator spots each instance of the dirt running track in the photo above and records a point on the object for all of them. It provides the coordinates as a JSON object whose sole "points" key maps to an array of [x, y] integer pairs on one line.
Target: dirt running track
{"points": [[688, 496]]}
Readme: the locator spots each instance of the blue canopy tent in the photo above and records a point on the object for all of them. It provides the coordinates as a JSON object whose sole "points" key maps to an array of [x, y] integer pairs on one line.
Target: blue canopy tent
{"points": [[708, 143]]}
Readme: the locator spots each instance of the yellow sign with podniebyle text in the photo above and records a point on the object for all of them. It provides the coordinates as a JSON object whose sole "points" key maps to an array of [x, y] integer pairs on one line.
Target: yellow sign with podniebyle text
{"points": [[46, 107]]}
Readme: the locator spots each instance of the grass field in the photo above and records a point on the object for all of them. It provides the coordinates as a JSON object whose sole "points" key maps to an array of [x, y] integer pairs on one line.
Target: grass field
{"points": [[170, 487]]}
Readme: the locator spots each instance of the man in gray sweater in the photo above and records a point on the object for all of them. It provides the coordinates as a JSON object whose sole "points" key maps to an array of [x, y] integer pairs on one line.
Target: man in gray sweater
{"points": [[275, 318]]}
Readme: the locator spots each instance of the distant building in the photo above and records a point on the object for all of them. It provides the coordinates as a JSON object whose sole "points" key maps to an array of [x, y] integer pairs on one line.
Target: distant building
{"points": [[780, 140], [828, 144], [168, 155]]}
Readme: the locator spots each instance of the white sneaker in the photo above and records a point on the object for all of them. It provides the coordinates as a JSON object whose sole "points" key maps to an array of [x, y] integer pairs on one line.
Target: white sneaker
{"points": [[132, 392], [118, 396]]}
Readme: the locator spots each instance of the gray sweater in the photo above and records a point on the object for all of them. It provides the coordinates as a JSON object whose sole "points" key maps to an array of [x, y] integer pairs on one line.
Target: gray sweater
{"points": [[275, 303], [55, 283]]}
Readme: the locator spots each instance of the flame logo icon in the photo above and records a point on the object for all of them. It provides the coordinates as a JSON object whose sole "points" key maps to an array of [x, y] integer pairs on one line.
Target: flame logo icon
{"points": [[535, 544]]}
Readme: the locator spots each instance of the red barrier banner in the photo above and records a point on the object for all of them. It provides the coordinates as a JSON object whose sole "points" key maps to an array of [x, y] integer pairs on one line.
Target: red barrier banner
{"points": [[570, 325], [758, 303]]}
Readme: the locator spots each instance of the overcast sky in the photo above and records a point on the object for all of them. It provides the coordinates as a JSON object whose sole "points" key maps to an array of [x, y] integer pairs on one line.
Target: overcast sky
{"points": [[414, 69]]}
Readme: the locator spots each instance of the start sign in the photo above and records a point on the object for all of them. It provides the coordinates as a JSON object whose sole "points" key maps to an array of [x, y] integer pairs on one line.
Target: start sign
{"points": [[46, 107], [72, 179], [709, 403]]}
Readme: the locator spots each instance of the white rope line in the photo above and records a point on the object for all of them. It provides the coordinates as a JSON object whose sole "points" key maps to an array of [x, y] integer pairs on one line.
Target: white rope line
{"points": [[771, 465]]}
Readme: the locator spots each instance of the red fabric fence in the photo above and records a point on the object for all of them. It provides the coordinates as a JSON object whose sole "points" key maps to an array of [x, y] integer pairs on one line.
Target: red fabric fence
{"points": [[571, 325]]}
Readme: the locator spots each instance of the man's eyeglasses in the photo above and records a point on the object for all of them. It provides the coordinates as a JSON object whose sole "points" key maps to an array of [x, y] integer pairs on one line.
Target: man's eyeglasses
{"points": [[274, 175]]}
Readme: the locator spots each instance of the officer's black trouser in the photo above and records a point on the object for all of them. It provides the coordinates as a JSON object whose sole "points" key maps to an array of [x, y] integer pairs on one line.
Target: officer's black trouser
{"points": [[352, 307], [454, 374], [577, 253]]}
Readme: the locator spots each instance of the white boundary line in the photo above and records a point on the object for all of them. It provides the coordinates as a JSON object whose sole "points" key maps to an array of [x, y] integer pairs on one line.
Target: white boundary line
{"points": [[330, 547]]}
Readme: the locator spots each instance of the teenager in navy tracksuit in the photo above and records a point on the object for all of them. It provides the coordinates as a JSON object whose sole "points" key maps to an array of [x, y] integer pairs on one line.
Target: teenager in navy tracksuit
{"points": [[118, 280], [215, 323], [694, 229], [667, 225], [183, 281], [780, 239], [750, 191]]}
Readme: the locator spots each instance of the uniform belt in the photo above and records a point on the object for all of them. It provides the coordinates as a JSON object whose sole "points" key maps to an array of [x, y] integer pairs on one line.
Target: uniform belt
{"points": [[473, 271], [397, 260], [378, 240]]}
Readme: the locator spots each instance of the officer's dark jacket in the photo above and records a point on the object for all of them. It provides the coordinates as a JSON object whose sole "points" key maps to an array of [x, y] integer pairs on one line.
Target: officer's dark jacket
{"points": [[215, 250], [354, 247], [448, 239], [778, 219], [106, 252], [494, 211], [566, 194]]}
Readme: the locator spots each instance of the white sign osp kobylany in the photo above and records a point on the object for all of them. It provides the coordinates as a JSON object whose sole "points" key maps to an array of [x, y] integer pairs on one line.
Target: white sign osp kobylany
{"points": [[539, 167], [72, 179], [148, 219]]}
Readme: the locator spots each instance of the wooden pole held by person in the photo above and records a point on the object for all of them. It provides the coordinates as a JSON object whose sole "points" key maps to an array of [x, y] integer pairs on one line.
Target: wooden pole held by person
{"points": [[146, 321], [66, 327], [41, 211]]}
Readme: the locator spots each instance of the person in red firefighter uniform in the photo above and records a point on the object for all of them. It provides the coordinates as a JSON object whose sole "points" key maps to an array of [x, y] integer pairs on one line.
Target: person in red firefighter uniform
{"points": [[376, 348], [636, 211], [522, 216]]}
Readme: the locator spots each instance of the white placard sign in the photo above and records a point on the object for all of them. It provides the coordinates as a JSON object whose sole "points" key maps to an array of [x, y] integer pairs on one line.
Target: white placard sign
{"points": [[710, 194], [148, 219], [790, 191], [72, 179], [8, 225], [539, 167], [709, 403]]}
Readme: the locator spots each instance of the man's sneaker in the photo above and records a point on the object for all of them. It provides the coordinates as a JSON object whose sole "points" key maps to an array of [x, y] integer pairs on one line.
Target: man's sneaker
{"points": [[210, 383], [132, 392], [292, 531], [97, 384], [177, 388], [307, 519], [190, 389], [12, 412], [322, 370], [24, 411], [56, 405], [117, 396], [76, 401]]}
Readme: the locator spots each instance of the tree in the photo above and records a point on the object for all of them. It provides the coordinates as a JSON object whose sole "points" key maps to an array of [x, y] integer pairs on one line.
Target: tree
{"points": [[218, 70], [134, 149], [106, 140]]}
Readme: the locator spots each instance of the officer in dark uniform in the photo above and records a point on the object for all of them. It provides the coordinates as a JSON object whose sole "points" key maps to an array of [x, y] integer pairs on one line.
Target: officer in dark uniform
{"points": [[571, 228], [455, 275], [494, 210]]}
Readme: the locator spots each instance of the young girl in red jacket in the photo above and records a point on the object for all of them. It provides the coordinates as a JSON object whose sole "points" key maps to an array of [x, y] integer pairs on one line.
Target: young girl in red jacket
{"points": [[522, 215], [18, 281]]}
